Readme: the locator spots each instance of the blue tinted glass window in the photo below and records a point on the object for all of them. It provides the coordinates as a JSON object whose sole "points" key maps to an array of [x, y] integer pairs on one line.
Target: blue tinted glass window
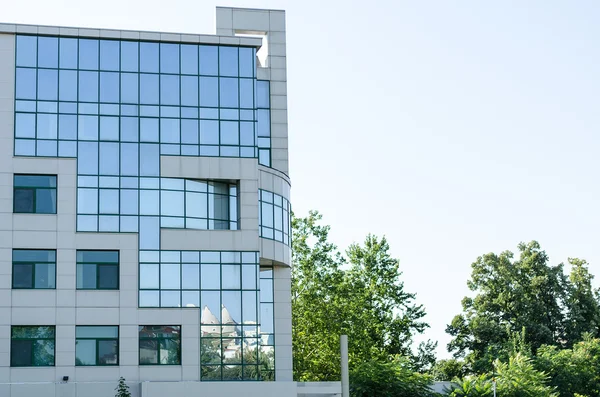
{"points": [[229, 133], [88, 128], [148, 130], [209, 91], [67, 126], [109, 55], [189, 131], [149, 158], [26, 83], [247, 133], [129, 202], [169, 58], [262, 94], [87, 201], [149, 89], [129, 159], [109, 158], [129, 87], [209, 132], [47, 52], [129, 129], [247, 58], [109, 128], [209, 60], [88, 86], [26, 51], [169, 130], [25, 125], [228, 61], [247, 93], [48, 84], [68, 85], [189, 90], [169, 90], [47, 126], [149, 57], [228, 92], [109, 87], [87, 160], [264, 123], [88, 54], [68, 53], [67, 149], [189, 59], [129, 56]]}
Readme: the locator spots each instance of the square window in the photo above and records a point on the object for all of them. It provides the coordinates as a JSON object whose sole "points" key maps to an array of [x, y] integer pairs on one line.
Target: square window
{"points": [[96, 345], [32, 346], [34, 194], [97, 269], [34, 269], [160, 345]]}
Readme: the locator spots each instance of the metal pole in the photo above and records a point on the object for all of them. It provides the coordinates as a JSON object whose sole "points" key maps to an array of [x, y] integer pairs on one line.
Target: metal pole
{"points": [[345, 373]]}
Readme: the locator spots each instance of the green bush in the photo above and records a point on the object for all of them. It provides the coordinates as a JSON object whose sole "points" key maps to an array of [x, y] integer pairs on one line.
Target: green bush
{"points": [[388, 379]]}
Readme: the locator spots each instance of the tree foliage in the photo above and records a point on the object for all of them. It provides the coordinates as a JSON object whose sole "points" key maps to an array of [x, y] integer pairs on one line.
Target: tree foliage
{"points": [[122, 390], [573, 371], [528, 294], [375, 378], [360, 295], [448, 370], [515, 378]]}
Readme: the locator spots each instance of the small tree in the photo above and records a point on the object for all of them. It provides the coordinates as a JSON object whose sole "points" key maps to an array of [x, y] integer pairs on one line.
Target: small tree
{"points": [[122, 389]]}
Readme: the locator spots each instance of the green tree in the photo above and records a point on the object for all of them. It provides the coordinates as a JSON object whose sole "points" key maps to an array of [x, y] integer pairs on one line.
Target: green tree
{"points": [[448, 370], [122, 390], [519, 378], [572, 371], [376, 378], [362, 297], [583, 315], [471, 386], [510, 295]]}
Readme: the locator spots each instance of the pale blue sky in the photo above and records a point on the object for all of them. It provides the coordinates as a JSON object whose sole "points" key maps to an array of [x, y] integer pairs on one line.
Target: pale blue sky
{"points": [[453, 128]]}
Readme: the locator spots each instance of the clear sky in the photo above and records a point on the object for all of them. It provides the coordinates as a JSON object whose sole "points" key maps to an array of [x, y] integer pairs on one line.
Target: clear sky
{"points": [[455, 128]]}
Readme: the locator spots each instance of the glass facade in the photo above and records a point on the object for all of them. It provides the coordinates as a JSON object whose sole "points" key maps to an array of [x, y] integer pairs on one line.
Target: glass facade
{"points": [[275, 217], [117, 106]]}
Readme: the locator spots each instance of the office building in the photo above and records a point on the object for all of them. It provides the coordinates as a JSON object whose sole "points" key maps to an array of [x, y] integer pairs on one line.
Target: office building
{"points": [[145, 210]]}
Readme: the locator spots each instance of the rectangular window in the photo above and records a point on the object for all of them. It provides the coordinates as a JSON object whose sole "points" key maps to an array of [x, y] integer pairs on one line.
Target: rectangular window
{"points": [[34, 194], [160, 345], [32, 346], [34, 269], [96, 345], [97, 269]]}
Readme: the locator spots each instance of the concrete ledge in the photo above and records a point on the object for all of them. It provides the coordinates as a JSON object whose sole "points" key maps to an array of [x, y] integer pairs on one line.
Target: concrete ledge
{"points": [[319, 389], [67, 31]]}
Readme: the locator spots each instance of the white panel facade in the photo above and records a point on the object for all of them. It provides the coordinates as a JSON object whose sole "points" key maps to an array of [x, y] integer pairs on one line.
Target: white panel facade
{"points": [[251, 230]]}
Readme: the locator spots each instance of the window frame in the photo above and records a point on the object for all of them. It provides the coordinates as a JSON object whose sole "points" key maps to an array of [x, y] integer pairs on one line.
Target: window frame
{"points": [[32, 263], [98, 340], [32, 340], [34, 189], [158, 340], [97, 265]]}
